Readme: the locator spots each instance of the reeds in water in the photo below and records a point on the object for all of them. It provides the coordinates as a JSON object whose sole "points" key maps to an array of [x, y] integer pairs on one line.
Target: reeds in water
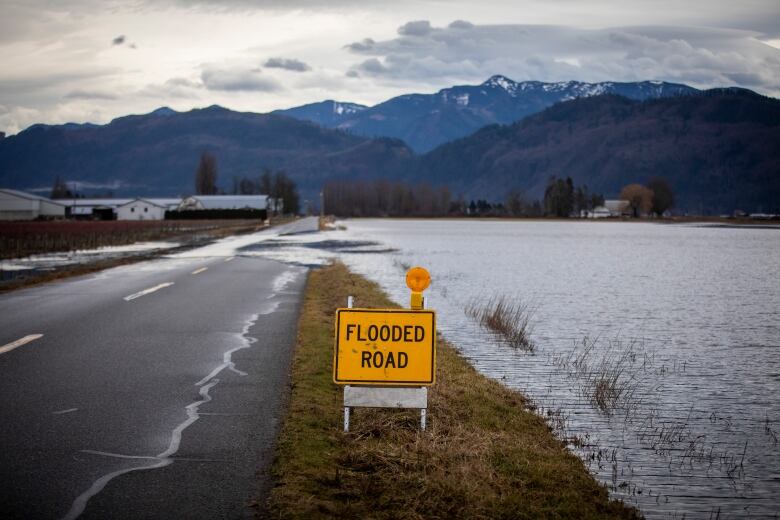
{"points": [[509, 319], [608, 377]]}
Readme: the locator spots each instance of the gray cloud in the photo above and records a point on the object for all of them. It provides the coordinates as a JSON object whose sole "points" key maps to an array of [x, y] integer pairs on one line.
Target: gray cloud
{"points": [[119, 40], [286, 64], [366, 44], [237, 79], [177, 88], [699, 56], [373, 67], [416, 28], [460, 24], [90, 94]]}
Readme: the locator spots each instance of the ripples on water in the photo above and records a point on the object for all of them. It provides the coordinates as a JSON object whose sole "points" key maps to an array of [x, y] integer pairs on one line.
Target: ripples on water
{"points": [[693, 310]]}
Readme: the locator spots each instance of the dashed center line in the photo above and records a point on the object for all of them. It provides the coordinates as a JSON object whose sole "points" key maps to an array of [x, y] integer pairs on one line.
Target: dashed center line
{"points": [[198, 271], [19, 342], [148, 291], [228, 259]]}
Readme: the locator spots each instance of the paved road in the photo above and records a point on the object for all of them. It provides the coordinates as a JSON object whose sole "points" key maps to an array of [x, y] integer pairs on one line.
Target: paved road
{"points": [[155, 391]]}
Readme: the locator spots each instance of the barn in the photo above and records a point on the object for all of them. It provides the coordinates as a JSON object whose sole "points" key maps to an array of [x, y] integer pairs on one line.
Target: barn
{"points": [[146, 209], [18, 205], [96, 209]]}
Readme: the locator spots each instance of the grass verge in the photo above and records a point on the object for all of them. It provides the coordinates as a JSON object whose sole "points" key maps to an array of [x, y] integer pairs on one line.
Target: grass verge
{"points": [[485, 454]]}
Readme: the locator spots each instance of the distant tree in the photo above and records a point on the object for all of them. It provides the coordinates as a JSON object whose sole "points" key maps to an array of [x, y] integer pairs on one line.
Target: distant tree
{"points": [[284, 191], [663, 196], [265, 182], [596, 200], [60, 189], [206, 175], [515, 205], [458, 206], [639, 198], [247, 187], [559, 197]]}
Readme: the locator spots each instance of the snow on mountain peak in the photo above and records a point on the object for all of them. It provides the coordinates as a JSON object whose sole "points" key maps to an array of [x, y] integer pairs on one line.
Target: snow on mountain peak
{"points": [[346, 108], [501, 82]]}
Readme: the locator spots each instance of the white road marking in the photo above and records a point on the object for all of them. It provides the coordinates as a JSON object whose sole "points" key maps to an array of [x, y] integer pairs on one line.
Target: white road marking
{"points": [[228, 259], [60, 412], [19, 342], [148, 291], [198, 271]]}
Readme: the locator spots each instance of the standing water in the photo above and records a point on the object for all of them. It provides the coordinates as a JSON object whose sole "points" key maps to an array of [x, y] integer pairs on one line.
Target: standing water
{"points": [[657, 347]]}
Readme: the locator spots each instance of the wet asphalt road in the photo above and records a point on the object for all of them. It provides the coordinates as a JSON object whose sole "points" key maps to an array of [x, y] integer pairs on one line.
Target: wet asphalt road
{"points": [[134, 404]]}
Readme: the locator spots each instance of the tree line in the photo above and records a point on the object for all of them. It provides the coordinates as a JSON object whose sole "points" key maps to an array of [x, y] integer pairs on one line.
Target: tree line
{"points": [[277, 185], [562, 199], [655, 197], [383, 198]]}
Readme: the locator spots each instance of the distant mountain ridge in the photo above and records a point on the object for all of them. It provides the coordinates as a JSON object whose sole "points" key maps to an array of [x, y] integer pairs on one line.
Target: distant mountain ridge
{"points": [[425, 121], [157, 153], [719, 149]]}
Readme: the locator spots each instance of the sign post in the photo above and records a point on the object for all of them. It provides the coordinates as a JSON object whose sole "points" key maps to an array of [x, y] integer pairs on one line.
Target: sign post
{"points": [[386, 358]]}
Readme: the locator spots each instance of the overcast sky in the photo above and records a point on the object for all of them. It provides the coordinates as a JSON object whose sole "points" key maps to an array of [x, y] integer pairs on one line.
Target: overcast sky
{"points": [[92, 60]]}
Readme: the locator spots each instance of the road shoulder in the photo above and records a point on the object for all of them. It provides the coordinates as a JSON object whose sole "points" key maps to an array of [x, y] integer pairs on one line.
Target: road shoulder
{"points": [[486, 454]]}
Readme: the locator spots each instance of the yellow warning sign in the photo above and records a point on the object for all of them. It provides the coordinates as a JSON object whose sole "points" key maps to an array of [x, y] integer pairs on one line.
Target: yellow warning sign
{"points": [[394, 347]]}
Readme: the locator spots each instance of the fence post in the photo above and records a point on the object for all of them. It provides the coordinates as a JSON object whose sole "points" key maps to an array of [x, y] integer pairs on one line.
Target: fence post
{"points": [[350, 303]]}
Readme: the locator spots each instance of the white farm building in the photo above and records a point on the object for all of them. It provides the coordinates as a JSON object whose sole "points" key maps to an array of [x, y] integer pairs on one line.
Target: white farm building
{"points": [[18, 205], [99, 209], [224, 202], [146, 209]]}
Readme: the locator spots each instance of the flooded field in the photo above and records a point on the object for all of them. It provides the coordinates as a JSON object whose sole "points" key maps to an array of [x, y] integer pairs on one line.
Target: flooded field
{"points": [[656, 347]]}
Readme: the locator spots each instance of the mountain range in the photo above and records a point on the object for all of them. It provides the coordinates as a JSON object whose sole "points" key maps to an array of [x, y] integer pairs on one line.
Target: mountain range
{"points": [[719, 149], [424, 121]]}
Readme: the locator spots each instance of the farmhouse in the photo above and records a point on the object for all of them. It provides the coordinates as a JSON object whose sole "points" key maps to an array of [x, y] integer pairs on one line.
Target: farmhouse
{"points": [[618, 208], [146, 209], [18, 205], [597, 212]]}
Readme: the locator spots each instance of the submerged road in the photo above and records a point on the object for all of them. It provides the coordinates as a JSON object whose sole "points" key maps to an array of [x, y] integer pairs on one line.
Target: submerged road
{"points": [[153, 390]]}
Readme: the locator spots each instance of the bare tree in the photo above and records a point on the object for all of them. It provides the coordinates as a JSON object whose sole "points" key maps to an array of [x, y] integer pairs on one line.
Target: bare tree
{"points": [[639, 198], [206, 175], [663, 196], [60, 189]]}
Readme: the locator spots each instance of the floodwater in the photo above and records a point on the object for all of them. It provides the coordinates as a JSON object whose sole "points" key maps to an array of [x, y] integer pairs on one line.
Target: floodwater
{"points": [[11, 269], [684, 319]]}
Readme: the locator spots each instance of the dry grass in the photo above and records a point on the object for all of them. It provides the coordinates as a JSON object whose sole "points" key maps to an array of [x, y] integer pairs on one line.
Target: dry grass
{"points": [[192, 236], [21, 239], [510, 320], [485, 454]]}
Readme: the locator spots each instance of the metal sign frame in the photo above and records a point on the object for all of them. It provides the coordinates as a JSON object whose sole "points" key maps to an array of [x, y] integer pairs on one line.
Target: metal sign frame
{"points": [[387, 396]]}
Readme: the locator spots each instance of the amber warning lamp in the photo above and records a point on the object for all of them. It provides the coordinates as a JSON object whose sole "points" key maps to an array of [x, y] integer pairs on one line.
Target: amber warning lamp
{"points": [[417, 279]]}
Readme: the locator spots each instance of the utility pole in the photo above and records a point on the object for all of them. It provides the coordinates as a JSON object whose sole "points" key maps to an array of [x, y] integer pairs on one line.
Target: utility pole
{"points": [[322, 209]]}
